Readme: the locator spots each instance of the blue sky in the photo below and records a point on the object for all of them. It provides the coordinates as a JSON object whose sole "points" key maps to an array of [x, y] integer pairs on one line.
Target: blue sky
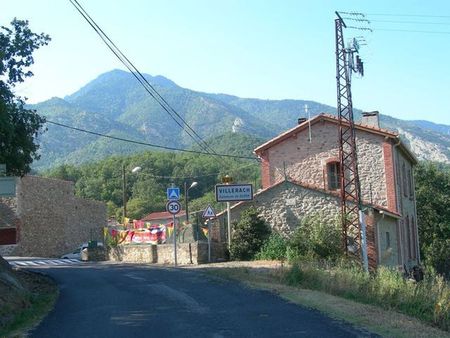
{"points": [[262, 49]]}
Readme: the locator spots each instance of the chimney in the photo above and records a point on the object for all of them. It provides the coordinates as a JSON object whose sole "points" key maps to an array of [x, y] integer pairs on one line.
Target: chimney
{"points": [[370, 119], [301, 120]]}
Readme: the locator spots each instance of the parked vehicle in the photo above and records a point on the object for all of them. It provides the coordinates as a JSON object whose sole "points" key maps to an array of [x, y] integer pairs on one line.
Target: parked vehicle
{"points": [[76, 254], [73, 255]]}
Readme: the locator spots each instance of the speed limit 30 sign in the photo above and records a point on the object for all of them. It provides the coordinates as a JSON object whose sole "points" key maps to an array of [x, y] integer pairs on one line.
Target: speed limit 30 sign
{"points": [[174, 207]]}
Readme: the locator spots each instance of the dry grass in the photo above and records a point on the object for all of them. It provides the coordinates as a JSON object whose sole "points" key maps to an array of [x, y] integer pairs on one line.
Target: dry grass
{"points": [[24, 307], [268, 276]]}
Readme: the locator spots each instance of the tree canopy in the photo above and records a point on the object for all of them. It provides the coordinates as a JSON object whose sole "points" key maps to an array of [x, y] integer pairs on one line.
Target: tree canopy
{"points": [[433, 214], [19, 126], [146, 189]]}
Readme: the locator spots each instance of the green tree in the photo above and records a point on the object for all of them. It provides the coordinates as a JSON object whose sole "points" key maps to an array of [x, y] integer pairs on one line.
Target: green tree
{"points": [[146, 189], [138, 208], [249, 235], [19, 127], [433, 215]]}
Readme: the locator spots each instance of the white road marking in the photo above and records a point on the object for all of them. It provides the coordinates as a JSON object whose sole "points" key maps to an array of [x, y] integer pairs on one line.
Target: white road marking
{"points": [[178, 296], [45, 262], [132, 276]]}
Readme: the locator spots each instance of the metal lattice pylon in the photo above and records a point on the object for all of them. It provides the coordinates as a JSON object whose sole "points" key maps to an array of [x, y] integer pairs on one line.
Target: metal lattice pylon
{"points": [[349, 178]]}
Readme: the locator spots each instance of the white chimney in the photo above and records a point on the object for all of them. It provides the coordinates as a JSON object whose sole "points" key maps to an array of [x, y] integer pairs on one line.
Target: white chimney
{"points": [[371, 119]]}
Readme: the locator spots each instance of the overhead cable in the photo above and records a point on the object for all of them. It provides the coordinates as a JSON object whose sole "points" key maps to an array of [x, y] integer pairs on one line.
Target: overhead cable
{"points": [[142, 80], [148, 144]]}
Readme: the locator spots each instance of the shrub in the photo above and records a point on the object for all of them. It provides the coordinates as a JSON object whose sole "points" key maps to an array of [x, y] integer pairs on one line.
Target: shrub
{"points": [[315, 238], [436, 254], [249, 235], [274, 248], [294, 276]]}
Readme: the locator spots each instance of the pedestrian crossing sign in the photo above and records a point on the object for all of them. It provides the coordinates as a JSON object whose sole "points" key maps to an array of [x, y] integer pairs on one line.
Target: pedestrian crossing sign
{"points": [[173, 194], [209, 212]]}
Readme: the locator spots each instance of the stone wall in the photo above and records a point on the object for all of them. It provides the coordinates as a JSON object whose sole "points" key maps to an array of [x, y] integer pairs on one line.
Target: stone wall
{"points": [[8, 212], [284, 205], [187, 253], [53, 220], [297, 159]]}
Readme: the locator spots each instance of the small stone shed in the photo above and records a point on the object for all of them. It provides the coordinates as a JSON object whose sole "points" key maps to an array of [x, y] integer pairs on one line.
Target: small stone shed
{"points": [[284, 204], [48, 219]]}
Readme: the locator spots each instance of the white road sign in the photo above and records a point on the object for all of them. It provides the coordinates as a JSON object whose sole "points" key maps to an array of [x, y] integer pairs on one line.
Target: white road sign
{"points": [[234, 192], [174, 207], [209, 212]]}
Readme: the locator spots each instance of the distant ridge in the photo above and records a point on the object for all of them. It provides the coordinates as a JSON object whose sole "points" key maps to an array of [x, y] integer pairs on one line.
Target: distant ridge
{"points": [[115, 104]]}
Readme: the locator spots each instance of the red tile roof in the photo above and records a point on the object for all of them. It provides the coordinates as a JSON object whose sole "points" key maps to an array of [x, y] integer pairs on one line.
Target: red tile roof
{"points": [[161, 215], [331, 118]]}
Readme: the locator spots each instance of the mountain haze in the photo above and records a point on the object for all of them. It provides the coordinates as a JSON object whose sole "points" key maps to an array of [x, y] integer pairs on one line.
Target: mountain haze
{"points": [[116, 104]]}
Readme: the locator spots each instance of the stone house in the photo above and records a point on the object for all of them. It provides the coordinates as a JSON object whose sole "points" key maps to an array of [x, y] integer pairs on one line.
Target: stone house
{"points": [[300, 176], [47, 219]]}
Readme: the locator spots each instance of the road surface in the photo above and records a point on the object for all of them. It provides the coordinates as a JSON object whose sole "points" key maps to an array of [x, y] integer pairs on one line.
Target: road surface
{"points": [[126, 300]]}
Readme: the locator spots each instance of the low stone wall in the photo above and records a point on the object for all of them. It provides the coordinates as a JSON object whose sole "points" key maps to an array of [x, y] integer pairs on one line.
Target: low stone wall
{"points": [[7, 250], [96, 254], [187, 253]]}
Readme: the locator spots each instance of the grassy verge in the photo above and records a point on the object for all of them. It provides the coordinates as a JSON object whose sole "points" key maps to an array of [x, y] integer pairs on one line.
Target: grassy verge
{"points": [[428, 300], [24, 308], [384, 322]]}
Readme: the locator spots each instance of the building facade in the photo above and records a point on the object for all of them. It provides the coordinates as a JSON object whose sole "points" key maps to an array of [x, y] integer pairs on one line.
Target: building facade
{"points": [[48, 219], [308, 157]]}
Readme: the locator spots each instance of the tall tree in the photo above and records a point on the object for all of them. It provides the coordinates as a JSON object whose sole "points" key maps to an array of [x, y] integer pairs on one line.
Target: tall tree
{"points": [[19, 126], [433, 213]]}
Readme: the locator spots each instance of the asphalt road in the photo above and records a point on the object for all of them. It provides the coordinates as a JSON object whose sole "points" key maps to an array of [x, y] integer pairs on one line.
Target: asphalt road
{"points": [[124, 300]]}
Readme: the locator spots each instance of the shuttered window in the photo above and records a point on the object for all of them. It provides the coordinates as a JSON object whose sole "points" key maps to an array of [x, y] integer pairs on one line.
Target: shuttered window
{"points": [[333, 173]]}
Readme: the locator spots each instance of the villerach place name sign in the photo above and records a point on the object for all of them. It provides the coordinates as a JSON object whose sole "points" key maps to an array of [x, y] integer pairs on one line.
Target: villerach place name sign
{"points": [[234, 192]]}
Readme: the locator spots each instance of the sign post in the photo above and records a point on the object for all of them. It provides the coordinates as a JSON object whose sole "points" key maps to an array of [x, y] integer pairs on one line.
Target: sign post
{"points": [[174, 240], [174, 207], [229, 224], [209, 240], [232, 193], [209, 214]]}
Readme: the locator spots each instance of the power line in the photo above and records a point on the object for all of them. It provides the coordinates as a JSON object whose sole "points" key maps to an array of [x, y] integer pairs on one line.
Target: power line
{"points": [[197, 176], [141, 79], [406, 15], [148, 144], [412, 22], [410, 31]]}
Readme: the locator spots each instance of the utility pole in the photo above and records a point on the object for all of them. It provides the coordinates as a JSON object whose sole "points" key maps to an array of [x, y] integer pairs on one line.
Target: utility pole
{"points": [[124, 192], [352, 217], [227, 180]]}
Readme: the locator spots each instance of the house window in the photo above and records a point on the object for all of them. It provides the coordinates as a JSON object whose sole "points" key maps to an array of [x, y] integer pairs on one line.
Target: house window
{"points": [[388, 240], [414, 238], [408, 237], [404, 180], [333, 173], [411, 187]]}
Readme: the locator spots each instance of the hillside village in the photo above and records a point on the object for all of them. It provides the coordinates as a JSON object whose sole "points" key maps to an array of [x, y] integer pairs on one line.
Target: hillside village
{"points": [[111, 215]]}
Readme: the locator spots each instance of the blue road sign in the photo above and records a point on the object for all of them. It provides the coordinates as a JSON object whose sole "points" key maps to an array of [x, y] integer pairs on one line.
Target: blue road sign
{"points": [[173, 194]]}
